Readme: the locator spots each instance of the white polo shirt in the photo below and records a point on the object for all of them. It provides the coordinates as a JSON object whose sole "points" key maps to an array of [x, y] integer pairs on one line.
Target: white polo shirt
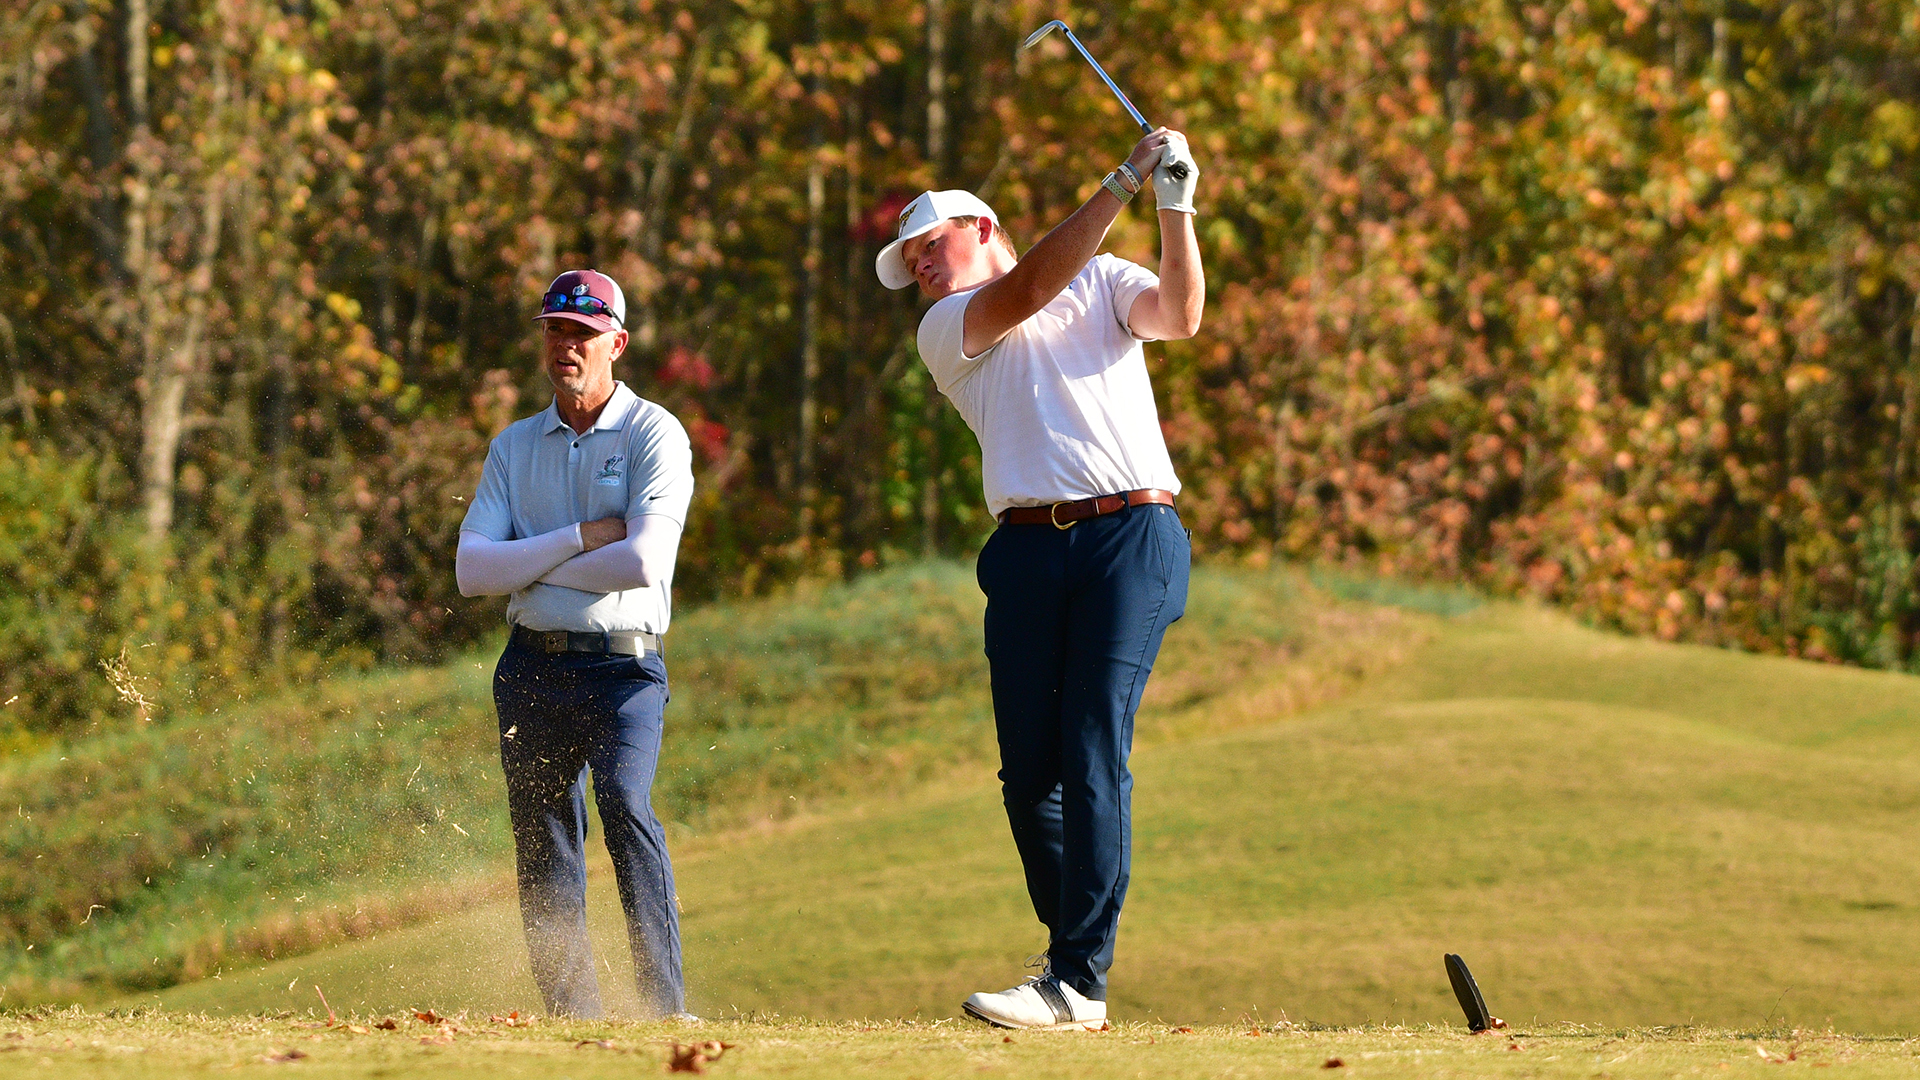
{"points": [[540, 476], [1062, 405]]}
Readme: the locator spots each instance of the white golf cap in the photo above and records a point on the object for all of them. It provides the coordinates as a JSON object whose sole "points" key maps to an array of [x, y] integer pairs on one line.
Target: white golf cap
{"points": [[922, 215]]}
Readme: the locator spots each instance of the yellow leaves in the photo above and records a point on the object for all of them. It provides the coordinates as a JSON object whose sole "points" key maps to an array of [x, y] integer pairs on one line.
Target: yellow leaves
{"points": [[344, 306], [1802, 377], [1718, 104], [1897, 124]]}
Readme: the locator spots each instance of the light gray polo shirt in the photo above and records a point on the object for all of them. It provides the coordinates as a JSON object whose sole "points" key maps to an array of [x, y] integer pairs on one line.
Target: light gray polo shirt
{"points": [[541, 476]]}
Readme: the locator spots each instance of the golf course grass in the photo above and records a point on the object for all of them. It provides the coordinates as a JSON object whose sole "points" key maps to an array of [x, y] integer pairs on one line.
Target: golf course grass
{"points": [[81, 1046], [1616, 834], [142, 857]]}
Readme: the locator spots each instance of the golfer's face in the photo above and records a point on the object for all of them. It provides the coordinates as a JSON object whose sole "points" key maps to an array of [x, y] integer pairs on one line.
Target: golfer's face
{"points": [[947, 260], [578, 358]]}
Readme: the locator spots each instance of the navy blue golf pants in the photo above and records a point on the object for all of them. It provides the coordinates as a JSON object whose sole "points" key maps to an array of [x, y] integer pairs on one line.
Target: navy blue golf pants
{"points": [[562, 716], [1074, 621]]}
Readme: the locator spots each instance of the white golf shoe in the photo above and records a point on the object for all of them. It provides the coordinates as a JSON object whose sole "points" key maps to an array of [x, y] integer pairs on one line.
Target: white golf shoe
{"points": [[1043, 1003]]}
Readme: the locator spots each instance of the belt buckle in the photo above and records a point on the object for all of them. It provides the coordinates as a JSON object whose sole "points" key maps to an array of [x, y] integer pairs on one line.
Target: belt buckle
{"points": [[1052, 518]]}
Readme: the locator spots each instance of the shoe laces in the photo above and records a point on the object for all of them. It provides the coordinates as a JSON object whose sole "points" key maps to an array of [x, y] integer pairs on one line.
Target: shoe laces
{"points": [[1042, 962]]}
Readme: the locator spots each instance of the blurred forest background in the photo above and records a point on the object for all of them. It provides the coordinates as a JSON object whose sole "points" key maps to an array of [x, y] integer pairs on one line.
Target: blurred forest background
{"points": [[1606, 301]]}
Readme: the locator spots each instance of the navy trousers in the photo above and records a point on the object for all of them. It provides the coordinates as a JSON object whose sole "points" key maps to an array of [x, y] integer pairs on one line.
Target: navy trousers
{"points": [[1074, 620], [562, 716]]}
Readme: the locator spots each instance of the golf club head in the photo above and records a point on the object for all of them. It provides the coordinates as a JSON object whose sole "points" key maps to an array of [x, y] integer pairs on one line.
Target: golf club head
{"points": [[1468, 993], [1034, 38]]}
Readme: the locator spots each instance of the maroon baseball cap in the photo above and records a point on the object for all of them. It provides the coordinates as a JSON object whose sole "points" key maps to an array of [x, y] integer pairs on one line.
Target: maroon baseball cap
{"points": [[588, 297]]}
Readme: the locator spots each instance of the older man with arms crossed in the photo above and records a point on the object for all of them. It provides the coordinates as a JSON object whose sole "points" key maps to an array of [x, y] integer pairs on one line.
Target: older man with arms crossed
{"points": [[578, 519], [1041, 354]]}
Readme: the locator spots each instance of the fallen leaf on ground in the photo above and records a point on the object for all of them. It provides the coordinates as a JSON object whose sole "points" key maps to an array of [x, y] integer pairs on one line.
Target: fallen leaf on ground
{"points": [[281, 1057], [696, 1057], [604, 1044], [387, 1025], [429, 1017], [1182, 1031], [1332, 1063]]}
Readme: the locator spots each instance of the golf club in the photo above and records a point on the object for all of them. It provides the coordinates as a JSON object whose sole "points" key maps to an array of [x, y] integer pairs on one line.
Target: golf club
{"points": [[1178, 170]]}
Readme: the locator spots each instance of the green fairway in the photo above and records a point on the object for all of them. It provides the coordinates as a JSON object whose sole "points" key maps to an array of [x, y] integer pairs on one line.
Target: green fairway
{"points": [[1613, 833]]}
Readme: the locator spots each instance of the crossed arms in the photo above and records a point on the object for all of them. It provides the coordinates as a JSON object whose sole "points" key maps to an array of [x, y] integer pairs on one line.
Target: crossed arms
{"points": [[608, 555]]}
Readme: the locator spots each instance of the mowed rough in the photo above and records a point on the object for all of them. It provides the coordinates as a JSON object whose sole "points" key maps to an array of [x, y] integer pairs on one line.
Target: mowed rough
{"points": [[90, 1045], [1612, 832]]}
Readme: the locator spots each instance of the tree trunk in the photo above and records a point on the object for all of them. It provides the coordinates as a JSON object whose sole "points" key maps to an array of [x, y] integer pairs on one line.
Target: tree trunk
{"points": [[863, 434], [804, 458], [937, 86], [645, 324], [162, 410], [166, 373], [22, 398], [423, 272], [937, 157]]}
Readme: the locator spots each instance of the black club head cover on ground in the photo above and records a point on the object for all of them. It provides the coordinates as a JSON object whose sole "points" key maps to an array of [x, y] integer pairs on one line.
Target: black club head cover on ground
{"points": [[1468, 991]]}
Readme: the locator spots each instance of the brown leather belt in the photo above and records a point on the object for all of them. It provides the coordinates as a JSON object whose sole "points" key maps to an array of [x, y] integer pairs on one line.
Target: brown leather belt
{"points": [[1062, 515], [561, 641]]}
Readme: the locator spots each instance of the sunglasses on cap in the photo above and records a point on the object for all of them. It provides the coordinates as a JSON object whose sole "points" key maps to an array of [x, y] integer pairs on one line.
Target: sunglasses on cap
{"points": [[585, 305]]}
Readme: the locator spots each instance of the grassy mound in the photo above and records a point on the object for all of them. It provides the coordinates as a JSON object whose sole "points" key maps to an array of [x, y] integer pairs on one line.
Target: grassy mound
{"points": [[184, 849], [1613, 832]]}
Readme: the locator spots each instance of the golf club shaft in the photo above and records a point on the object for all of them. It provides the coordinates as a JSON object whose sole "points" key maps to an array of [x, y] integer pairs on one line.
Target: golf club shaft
{"points": [[1179, 169], [1145, 128]]}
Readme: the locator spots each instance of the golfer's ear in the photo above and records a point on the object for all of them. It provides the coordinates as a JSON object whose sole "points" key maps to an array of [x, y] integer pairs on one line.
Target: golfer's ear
{"points": [[986, 230]]}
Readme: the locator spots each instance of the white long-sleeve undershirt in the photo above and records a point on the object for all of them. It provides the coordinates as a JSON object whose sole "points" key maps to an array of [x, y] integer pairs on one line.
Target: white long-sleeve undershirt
{"points": [[644, 558], [485, 567]]}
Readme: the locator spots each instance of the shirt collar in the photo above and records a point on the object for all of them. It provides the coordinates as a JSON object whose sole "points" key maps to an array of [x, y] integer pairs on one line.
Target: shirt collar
{"points": [[611, 417]]}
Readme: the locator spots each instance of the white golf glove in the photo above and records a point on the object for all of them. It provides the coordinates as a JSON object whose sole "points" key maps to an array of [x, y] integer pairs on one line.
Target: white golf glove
{"points": [[1170, 192]]}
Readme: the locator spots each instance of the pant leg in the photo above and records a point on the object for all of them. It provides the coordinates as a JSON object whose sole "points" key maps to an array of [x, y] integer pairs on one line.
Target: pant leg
{"points": [[543, 754], [624, 756], [1022, 571], [1127, 575]]}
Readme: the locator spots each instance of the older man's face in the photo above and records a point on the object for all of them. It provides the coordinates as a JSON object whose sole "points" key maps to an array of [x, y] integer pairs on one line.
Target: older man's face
{"points": [[578, 359]]}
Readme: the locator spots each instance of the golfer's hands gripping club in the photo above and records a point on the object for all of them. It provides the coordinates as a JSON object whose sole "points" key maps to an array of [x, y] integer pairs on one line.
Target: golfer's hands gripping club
{"points": [[1177, 174], [1146, 152], [598, 534]]}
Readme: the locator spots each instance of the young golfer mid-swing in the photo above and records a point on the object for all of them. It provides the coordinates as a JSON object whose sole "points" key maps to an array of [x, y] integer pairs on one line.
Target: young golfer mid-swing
{"points": [[1042, 356]]}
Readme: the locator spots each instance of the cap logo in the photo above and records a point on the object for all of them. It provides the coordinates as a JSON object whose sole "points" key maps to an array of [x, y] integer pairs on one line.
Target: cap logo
{"points": [[579, 290]]}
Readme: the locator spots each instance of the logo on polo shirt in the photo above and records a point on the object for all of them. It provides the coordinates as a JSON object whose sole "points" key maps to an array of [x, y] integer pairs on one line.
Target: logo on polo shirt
{"points": [[609, 473]]}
